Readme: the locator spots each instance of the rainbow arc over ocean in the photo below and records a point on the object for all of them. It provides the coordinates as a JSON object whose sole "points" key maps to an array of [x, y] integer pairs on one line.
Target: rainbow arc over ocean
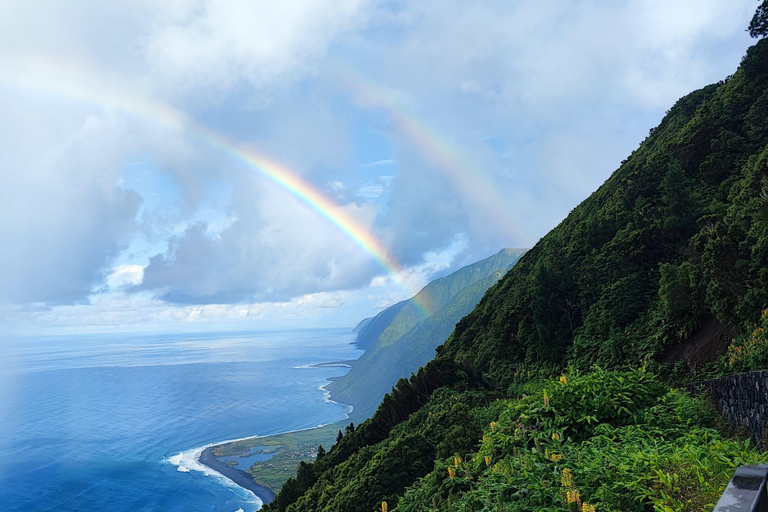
{"points": [[37, 77]]}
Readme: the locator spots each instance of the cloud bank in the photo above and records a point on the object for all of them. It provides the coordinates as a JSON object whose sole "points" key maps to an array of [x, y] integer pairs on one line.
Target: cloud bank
{"points": [[499, 118]]}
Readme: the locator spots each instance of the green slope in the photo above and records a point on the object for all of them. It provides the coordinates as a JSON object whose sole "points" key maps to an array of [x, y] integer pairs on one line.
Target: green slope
{"points": [[676, 236], [676, 241], [406, 340]]}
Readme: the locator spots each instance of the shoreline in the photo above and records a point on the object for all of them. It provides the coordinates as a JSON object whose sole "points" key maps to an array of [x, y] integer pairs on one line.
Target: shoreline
{"points": [[207, 458], [238, 476]]}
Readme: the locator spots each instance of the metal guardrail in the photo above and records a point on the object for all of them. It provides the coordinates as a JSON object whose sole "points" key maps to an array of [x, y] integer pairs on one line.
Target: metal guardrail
{"points": [[746, 491]]}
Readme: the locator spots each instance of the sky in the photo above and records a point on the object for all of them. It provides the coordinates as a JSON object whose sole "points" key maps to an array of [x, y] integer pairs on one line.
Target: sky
{"points": [[230, 164]]}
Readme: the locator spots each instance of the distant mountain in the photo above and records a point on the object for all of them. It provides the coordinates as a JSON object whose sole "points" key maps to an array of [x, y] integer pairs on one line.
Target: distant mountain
{"points": [[404, 336]]}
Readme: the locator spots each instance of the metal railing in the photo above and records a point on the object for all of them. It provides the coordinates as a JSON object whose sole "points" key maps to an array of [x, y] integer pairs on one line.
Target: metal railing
{"points": [[746, 491]]}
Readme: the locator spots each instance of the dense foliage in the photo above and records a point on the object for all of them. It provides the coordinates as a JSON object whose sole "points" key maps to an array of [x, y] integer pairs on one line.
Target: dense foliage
{"points": [[758, 27], [605, 441], [675, 240]]}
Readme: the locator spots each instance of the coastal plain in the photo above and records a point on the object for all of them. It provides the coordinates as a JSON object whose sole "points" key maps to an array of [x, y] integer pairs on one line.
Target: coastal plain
{"points": [[287, 451]]}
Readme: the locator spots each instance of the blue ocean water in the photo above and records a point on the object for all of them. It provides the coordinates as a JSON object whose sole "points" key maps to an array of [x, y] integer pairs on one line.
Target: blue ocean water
{"points": [[110, 422]]}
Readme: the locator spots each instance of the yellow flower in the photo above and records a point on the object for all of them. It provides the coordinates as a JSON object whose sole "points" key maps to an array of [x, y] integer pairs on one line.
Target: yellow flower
{"points": [[588, 508], [452, 472], [567, 478], [555, 457], [493, 426], [555, 437], [572, 496], [384, 506], [456, 461], [487, 460], [563, 380]]}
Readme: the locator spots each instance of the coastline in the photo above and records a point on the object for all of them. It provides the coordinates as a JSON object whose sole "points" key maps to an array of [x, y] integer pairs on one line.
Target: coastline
{"points": [[238, 476], [206, 457]]}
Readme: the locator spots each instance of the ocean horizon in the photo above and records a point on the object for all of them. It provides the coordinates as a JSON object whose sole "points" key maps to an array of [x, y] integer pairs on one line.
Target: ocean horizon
{"points": [[114, 421]]}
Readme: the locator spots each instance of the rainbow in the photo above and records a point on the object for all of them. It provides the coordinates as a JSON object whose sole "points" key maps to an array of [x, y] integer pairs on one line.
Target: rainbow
{"points": [[72, 86], [468, 179]]}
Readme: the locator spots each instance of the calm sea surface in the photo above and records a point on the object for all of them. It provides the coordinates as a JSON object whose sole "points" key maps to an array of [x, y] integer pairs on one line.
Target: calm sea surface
{"points": [[111, 422]]}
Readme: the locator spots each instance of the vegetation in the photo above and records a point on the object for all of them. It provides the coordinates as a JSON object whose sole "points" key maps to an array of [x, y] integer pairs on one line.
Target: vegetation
{"points": [[669, 254], [750, 352], [609, 441], [401, 339], [290, 450], [758, 27]]}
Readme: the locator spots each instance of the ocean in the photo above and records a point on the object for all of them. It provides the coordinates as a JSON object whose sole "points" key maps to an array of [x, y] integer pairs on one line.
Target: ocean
{"points": [[112, 422]]}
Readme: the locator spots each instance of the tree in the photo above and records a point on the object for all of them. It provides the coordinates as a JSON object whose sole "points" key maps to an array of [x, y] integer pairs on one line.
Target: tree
{"points": [[758, 27]]}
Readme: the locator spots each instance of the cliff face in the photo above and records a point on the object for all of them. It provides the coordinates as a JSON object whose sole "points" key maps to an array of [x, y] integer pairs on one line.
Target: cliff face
{"points": [[675, 243]]}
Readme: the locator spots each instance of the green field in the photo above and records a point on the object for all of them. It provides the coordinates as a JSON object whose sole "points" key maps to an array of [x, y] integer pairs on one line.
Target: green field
{"points": [[289, 450]]}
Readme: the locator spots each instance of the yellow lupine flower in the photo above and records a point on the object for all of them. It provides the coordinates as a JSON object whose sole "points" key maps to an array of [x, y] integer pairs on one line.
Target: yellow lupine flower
{"points": [[572, 496], [563, 380], [384, 506], [456, 461], [487, 460], [555, 437], [588, 508], [555, 457], [493, 426], [452, 472]]}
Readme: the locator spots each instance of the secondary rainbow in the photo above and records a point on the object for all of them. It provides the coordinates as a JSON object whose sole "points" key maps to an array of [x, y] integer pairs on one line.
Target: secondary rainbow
{"points": [[469, 179], [37, 76]]}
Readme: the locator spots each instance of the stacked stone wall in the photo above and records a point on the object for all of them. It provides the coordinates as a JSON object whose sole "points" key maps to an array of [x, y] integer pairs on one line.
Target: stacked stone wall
{"points": [[743, 400]]}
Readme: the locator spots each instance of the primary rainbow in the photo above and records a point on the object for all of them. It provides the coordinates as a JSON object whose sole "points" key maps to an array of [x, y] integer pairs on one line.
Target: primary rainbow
{"points": [[38, 79]]}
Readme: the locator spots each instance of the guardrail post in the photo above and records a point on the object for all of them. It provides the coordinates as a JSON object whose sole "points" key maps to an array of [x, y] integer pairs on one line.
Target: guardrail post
{"points": [[745, 491]]}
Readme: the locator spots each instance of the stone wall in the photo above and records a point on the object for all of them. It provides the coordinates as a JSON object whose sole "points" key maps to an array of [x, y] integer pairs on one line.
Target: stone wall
{"points": [[743, 400]]}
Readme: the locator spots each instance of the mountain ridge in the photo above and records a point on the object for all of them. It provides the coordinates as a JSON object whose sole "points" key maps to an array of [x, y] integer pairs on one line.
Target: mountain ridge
{"points": [[406, 339]]}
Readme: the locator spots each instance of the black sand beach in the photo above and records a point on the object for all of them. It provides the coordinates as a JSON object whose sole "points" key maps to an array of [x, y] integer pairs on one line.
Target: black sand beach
{"points": [[238, 476]]}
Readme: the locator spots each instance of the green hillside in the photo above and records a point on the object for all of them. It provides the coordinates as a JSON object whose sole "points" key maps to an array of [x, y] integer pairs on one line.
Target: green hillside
{"points": [[651, 277], [407, 340]]}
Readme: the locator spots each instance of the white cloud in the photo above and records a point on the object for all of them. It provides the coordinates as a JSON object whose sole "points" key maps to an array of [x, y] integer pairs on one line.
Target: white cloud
{"points": [[125, 275], [217, 44], [63, 217], [277, 249]]}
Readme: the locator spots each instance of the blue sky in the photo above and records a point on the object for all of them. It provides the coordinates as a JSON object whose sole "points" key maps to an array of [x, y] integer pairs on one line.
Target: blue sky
{"points": [[448, 130]]}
